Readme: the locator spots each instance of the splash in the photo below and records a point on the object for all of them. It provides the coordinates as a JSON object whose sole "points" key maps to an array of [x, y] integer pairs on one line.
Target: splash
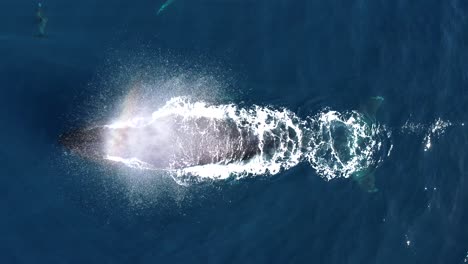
{"points": [[195, 140]]}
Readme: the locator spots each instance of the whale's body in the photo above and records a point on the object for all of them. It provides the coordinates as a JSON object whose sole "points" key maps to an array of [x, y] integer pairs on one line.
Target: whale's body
{"points": [[184, 136], [175, 142]]}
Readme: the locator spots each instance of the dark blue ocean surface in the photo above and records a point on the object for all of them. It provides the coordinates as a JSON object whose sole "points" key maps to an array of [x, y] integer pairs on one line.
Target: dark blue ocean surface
{"points": [[303, 55]]}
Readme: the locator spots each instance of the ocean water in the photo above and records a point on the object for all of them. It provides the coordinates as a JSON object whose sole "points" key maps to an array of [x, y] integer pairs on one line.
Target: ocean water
{"points": [[306, 56]]}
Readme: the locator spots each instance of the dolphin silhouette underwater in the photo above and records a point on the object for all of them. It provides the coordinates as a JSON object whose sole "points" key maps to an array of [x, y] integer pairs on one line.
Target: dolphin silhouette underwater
{"points": [[199, 138], [41, 21], [164, 6]]}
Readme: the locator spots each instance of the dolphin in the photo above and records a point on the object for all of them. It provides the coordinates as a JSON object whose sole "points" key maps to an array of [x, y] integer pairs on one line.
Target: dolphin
{"points": [[164, 6], [41, 21]]}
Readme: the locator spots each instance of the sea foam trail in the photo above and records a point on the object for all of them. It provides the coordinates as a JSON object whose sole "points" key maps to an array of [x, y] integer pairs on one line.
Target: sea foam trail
{"points": [[197, 140]]}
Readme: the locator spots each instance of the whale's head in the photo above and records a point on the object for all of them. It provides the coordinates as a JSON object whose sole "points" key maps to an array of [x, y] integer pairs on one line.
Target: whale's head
{"points": [[86, 142]]}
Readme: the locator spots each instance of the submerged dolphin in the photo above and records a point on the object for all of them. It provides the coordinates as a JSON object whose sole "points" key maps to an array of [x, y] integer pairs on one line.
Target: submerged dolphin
{"points": [[195, 137], [41, 21], [164, 6]]}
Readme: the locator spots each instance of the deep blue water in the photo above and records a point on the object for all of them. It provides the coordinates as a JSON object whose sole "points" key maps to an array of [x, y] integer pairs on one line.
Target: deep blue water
{"points": [[303, 55]]}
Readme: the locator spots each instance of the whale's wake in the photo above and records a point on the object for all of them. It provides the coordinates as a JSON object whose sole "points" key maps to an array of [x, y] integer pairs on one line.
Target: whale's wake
{"points": [[431, 131], [197, 140]]}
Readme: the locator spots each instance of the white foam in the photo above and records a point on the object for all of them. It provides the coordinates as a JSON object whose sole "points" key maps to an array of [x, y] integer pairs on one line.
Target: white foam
{"points": [[362, 143]]}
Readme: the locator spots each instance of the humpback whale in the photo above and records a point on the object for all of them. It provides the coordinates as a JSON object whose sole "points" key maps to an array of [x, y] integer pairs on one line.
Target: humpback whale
{"points": [[217, 141]]}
